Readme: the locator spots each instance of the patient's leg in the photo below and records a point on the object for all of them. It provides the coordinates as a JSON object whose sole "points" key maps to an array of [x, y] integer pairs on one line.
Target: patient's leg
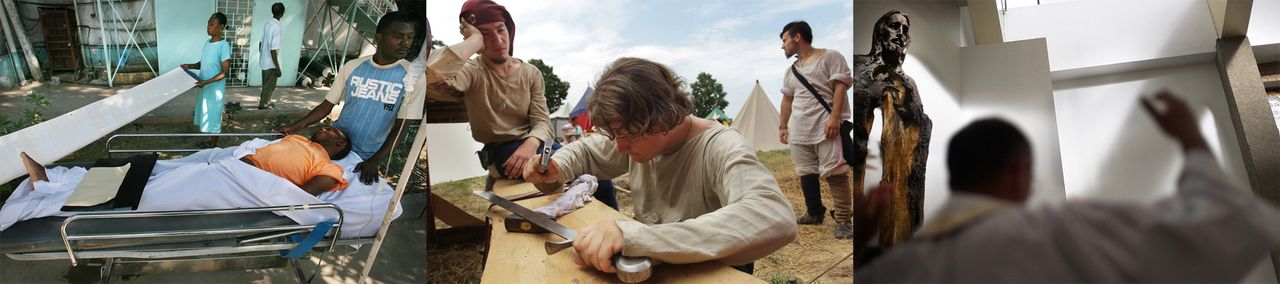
{"points": [[34, 169]]}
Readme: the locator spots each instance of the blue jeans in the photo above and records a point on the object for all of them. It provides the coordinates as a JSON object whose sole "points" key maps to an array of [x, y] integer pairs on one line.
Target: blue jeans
{"points": [[499, 152]]}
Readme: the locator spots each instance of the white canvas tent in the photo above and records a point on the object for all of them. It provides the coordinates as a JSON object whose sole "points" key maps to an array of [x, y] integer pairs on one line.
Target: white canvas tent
{"points": [[758, 121], [560, 117]]}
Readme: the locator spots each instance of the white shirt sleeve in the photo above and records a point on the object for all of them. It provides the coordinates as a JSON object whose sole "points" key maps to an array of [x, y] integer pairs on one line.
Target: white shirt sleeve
{"points": [[275, 36]]}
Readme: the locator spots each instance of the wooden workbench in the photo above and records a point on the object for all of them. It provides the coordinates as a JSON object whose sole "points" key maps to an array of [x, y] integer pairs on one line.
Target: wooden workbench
{"points": [[520, 258]]}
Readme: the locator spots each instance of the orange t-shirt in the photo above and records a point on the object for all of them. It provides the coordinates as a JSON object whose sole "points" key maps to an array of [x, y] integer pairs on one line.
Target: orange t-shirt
{"points": [[297, 159]]}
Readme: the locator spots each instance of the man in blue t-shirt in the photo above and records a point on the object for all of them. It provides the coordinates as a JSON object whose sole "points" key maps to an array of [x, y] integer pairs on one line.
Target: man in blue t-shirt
{"points": [[376, 102]]}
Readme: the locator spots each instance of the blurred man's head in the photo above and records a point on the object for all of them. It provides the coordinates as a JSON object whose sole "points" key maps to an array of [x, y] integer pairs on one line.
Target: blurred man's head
{"points": [[277, 10], [638, 102], [794, 35], [495, 24], [395, 35], [334, 142], [991, 157]]}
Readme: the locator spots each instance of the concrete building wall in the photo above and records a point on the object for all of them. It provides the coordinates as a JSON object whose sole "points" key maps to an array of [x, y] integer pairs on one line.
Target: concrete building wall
{"points": [[181, 32]]}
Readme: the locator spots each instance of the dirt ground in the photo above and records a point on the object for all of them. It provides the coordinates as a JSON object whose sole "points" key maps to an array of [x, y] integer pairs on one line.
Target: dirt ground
{"points": [[814, 250]]}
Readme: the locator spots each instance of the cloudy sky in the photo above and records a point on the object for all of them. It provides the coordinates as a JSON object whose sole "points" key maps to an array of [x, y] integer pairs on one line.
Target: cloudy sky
{"points": [[736, 41]]}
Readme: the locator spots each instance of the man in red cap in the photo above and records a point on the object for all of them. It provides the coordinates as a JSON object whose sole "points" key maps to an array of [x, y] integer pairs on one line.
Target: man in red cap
{"points": [[504, 95]]}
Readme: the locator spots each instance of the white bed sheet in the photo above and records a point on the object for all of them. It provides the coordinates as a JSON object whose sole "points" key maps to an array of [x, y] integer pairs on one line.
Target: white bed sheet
{"points": [[217, 179]]}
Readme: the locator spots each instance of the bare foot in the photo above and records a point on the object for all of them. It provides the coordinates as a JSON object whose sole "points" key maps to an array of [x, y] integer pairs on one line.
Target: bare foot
{"points": [[34, 169]]}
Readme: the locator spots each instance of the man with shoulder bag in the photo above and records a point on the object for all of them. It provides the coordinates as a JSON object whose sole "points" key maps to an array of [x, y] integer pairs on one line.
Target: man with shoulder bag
{"points": [[814, 91]]}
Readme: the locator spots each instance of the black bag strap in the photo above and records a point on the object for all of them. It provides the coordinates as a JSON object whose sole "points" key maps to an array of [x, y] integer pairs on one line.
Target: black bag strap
{"points": [[806, 84]]}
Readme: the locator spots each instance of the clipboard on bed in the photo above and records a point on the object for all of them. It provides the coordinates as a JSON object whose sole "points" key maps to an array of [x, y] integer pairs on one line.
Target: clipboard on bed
{"points": [[112, 184]]}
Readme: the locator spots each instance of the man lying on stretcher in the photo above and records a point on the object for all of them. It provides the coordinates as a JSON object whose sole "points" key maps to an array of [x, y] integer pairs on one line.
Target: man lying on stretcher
{"points": [[307, 163]]}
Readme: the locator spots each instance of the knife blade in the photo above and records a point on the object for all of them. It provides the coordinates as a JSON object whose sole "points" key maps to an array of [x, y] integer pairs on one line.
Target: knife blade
{"points": [[630, 269], [538, 219]]}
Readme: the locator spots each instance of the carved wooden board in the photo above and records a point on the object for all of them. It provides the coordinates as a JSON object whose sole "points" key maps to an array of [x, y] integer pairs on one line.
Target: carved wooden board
{"points": [[520, 258]]}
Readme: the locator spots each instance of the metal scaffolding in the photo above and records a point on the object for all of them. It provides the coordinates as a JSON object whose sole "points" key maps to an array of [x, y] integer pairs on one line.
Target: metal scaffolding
{"points": [[361, 18], [123, 44]]}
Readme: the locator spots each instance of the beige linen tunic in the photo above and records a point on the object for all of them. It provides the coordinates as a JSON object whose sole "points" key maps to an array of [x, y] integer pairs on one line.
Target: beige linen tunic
{"points": [[499, 108], [711, 199], [807, 114]]}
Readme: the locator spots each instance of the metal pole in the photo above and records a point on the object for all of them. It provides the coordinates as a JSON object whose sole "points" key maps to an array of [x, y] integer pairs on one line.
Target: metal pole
{"points": [[322, 13], [346, 41], [32, 63], [106, 56], [13, 51], [131, 31], [75, 6], [406, 174]]}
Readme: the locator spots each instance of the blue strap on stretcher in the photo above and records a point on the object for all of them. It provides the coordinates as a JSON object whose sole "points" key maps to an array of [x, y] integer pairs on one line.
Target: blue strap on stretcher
{"points": [[305, 244]]}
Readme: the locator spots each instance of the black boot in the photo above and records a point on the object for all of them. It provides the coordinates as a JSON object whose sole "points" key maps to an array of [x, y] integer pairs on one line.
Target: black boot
{"points": [[812, 191]]}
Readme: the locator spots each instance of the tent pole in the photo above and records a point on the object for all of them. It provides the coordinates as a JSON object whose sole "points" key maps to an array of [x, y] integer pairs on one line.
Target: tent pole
{"points": [[21, 34], [13, 51], [415, 152]]}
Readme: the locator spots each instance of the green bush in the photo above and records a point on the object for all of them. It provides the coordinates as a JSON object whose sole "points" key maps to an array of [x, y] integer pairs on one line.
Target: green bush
{"points": [[31, 115]]}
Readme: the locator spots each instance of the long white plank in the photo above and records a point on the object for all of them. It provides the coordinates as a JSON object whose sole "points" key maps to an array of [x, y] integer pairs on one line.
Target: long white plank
{"points": [[58, 137]]}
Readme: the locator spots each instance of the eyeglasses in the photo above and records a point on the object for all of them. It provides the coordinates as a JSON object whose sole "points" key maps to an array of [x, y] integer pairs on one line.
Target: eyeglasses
{"points": [[611, 136]]}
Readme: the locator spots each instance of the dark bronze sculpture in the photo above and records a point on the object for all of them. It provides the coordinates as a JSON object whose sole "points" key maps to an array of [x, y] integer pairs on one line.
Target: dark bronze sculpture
{"points": [[904, 147]]}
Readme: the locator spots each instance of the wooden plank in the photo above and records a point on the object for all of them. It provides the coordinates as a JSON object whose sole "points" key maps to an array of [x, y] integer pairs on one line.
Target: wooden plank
{"points": [[445, 112], [520, 258], [514, 189], [452, 215]]}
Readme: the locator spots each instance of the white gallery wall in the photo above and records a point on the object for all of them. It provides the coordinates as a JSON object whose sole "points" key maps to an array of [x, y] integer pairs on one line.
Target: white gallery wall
{"points": [[1113, 150], [1011, 80], [1123, 49], [1091, 33], [1103, 55], [1264, 22]]}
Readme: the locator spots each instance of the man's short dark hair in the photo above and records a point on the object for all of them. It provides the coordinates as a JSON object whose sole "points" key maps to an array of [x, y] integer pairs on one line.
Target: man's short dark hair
{"points": [[800, 27], [342, 154], [341, 135], [984, 150], [277, 9], [395, 17], [222, 19]]}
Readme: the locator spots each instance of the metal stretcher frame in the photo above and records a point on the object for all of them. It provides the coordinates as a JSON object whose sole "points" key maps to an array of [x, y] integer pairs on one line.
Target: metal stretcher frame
{"points": [[258, 240]]}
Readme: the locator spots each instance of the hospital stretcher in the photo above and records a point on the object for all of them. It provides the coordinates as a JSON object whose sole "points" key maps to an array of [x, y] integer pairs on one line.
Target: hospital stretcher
{"points": [[117, 237]]}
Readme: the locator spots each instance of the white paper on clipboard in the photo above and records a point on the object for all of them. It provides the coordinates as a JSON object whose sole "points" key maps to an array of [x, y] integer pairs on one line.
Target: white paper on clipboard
{"points": [[100, 185]]}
